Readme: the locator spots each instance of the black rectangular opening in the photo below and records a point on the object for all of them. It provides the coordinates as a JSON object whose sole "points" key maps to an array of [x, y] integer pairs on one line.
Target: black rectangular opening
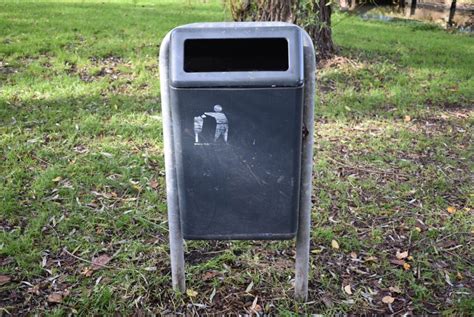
{"points": [[235, 55]]}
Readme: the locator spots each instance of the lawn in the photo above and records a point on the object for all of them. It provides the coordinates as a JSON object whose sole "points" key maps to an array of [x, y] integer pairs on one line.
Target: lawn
{"points": [[82, 175]]}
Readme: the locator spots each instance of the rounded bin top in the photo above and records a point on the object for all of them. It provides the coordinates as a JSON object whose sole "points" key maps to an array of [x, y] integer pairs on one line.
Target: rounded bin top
{"points": [[236, 54]]}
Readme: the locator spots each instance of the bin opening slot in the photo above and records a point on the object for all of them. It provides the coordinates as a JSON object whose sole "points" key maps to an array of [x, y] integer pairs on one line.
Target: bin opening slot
{"points": [[235, 55]]}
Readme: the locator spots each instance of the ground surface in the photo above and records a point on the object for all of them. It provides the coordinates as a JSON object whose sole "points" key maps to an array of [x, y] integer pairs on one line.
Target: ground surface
{"points": [[82, 181]]}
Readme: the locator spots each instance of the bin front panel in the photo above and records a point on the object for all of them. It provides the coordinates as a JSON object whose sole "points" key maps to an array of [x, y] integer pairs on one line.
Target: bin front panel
{"points": [[237, 154]]}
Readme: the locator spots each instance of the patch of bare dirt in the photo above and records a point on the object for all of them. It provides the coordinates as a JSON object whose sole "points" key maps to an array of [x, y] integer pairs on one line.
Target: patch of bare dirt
{"points": [[7, 69], [339, 62], [111, 67]]}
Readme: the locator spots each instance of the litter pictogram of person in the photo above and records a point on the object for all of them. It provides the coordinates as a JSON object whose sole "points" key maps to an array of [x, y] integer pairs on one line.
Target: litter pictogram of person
{"points": [[222, 124]]}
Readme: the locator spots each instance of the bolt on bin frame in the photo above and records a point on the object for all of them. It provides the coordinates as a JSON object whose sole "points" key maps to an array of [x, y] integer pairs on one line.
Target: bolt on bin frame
{"points": [[305, 205]]}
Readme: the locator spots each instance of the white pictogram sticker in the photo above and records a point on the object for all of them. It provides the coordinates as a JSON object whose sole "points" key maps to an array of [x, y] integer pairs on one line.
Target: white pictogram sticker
{"points": [[198, 122], [222, 124]]}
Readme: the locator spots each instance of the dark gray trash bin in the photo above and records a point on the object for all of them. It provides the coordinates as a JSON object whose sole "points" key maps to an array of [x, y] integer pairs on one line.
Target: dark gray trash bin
{"points": [[237, 101]]}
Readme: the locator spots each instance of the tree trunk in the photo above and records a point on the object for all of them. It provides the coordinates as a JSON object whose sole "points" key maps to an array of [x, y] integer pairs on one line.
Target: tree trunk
{"points": [[313, 15], [277, 10], [413, 7], [452, 12], [353, 5], [321, 33]]}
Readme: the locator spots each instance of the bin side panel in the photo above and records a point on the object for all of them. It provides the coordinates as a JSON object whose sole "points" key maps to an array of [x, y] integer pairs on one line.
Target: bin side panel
{"points": [[238, 162]]}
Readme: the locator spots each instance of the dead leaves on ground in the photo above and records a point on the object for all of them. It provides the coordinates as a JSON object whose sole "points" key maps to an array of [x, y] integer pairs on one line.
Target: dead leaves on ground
{"points": [[58, 297], [256, 308], [371, 259], [451, 209], [402, 255], [4, 279], [395, 289], [400, 260], [154, 183], [388, 299], [87, 272], [100, 261], [209, 275], [97, 263], [55, 298], [406, 266], [191, 293], [53, 288], [348, 289]]}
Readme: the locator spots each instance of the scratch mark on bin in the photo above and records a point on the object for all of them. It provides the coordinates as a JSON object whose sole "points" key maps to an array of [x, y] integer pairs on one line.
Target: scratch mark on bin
{"points": [[259, 181]]}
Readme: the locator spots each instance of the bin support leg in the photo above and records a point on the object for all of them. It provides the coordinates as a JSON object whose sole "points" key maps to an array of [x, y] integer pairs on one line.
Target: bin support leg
{"points": [[304, 221], [175, 234]]}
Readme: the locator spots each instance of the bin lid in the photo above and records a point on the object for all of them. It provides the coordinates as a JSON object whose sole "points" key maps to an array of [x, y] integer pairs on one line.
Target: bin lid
{"points": [[236, 54]]}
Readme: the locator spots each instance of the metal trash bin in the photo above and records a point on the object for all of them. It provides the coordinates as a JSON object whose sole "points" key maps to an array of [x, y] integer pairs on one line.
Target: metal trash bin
{"points": [[236, 98]]}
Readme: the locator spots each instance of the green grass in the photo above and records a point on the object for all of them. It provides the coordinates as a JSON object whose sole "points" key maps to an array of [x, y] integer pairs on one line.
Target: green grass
{"points": [[81, 170]]}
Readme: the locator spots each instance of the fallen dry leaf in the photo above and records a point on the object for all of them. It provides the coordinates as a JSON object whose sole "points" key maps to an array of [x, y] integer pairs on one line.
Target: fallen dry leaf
{"points": [[191, 293], [395, 289], [87, 272], [255, 307], [5, 279], [100, 261], [209, 275], [397, 262], [451, 209], [34, 290], [249, 287], [407, 118], [55, 298], [406, 266], [154, 183], [401, 255], [334, 244], [212, 294], [447, 278], [388, 299], [421, 225], [371, 259], [328, 302], [353, 255], [348, 289]]}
